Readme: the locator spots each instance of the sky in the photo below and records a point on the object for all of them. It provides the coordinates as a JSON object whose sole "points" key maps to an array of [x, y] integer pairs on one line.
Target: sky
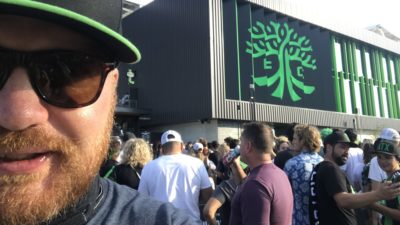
{"points": [[361, 13]]}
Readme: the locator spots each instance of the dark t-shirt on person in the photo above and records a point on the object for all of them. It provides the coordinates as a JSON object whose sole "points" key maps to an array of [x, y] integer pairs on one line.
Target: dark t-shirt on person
{"points": [[330, 180], [127, 175], [224, 194], [223, 171], [265, 197], [106, 167], [282, 157]]}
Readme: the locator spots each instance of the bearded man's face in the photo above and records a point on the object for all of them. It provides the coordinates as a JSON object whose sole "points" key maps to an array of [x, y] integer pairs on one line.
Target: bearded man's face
{"points": [[48, 155]]}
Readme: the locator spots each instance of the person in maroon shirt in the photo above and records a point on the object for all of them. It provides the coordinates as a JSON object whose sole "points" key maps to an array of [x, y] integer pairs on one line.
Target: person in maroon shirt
{"points": [[265, 196]]}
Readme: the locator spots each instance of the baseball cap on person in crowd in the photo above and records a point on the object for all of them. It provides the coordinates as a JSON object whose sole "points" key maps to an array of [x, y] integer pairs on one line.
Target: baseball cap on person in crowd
{"points": [[389, 134], [99, 20], [170, 136], [197, 146], [387, 147], [325, 132], [338, 136]]}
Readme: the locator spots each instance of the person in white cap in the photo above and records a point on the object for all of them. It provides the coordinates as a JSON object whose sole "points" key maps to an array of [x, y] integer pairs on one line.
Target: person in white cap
{"points": [[376, 174], [388, 153], [177, 178], [198, 150]]}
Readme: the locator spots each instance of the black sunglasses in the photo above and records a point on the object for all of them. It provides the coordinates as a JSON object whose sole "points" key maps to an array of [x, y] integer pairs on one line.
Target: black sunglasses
{"points": [[66, 79]]}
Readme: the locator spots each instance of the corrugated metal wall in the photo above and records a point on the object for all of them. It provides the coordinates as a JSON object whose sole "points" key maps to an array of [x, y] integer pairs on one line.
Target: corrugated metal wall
{"points": [[173, 78]]}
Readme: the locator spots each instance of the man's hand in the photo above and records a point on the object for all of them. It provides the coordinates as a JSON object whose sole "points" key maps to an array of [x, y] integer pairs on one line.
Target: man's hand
{"points": [[388, 190]]}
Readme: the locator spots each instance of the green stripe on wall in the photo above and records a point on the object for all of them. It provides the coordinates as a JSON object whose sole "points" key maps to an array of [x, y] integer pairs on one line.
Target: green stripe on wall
{"points": [[374, 67], [381, 71], [351, 77], [372, 100], [366, 103], [381, 109], [335, 76], [397, 72], [389, 100], [394, 103], [344, 59], [342, 97], [354, 57]]}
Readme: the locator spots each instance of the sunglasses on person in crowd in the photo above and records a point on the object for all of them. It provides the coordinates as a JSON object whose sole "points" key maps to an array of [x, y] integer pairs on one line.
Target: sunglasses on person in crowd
{"points": [[66, 79]]}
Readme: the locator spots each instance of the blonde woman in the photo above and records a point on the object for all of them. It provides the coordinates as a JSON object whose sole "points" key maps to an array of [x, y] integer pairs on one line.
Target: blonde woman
{"points": [[222, 170], [135, 154]]}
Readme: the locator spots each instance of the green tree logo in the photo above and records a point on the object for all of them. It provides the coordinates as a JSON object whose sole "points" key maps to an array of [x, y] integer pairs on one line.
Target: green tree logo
{"points": [[275, 40]]}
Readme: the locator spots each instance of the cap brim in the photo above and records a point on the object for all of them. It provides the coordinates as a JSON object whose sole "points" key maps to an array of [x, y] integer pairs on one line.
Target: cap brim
{"points": [[380, 152], [351, 144], [120, 48]]}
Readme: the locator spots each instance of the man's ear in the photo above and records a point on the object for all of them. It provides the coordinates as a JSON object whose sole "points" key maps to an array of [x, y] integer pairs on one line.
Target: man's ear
{"points": [[247, 146]]}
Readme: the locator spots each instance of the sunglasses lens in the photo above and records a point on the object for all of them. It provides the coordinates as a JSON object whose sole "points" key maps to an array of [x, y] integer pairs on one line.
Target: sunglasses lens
{"points": [[70, 81]]}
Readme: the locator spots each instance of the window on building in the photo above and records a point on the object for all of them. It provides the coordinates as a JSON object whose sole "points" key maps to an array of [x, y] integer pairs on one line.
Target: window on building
{"points": [[368, 65], [392, 72], [346, 88], [359, 64], [338, 53], [385, 72]]}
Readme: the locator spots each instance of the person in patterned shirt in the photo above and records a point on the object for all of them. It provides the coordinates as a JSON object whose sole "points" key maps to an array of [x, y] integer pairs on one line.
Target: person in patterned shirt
{"points": [[306, 139]]}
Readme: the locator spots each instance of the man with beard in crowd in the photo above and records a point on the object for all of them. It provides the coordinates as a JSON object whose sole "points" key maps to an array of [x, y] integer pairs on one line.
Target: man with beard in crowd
{"points": [[57, 99], [265, 196], [332, 199]]}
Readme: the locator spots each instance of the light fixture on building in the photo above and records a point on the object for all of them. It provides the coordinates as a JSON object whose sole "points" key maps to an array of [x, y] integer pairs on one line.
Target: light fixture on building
{"points": [[130, 6]]}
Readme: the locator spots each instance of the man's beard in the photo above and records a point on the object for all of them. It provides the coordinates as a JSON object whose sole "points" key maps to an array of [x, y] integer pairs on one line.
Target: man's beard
{"points": [[71, 173], [339, 160]]}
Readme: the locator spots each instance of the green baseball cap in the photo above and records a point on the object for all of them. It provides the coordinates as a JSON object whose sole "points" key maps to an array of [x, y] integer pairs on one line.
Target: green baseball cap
{"points": [[98, 19], [386, 147]]}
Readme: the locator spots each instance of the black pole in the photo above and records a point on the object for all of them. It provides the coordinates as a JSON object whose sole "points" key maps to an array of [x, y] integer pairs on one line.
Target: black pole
{"points": [[253, 102], [239, 118]]}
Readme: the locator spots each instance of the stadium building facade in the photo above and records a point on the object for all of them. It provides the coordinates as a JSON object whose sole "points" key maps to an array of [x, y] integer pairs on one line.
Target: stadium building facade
{"points": [[209, 66]]}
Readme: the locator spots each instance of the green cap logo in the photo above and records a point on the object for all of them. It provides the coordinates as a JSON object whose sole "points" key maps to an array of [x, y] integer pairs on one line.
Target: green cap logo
{"points": [[385, 147]]}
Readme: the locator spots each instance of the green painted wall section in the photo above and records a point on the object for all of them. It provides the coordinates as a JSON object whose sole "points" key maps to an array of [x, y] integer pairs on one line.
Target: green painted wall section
{"points": [[336, 84], [354, 74]]}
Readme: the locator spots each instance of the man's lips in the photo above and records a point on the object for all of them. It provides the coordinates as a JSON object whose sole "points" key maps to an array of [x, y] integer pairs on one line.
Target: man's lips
{"points": [[23, 163], [18, 157]]}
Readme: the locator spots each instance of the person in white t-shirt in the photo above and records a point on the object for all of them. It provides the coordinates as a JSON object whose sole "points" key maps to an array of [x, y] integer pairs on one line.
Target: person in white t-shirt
{"points": [[176, 178], [355, 162], [376, 174]]}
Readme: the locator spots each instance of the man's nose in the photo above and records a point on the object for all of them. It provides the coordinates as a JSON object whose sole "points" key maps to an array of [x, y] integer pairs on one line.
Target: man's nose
{"points": [[20, 106]]}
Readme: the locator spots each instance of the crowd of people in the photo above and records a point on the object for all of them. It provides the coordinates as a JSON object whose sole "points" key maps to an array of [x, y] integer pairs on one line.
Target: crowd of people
{"points": [[315, 176], [58, 98]]}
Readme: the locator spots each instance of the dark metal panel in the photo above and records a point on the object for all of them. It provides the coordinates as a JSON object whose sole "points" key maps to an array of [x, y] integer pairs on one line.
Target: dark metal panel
{"points": [[173, 78]]}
